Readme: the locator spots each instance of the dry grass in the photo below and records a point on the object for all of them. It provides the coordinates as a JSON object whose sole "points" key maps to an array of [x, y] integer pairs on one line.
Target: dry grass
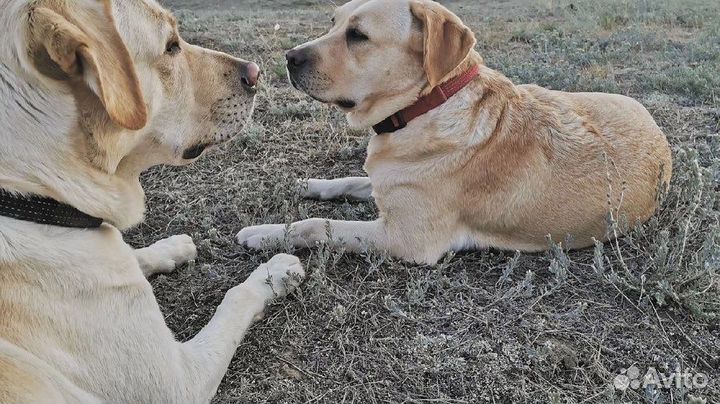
{"points": [[487, 326]]}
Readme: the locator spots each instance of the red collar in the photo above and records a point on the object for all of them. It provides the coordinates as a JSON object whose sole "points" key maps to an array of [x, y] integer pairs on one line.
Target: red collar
{"points": [[426, 103]]}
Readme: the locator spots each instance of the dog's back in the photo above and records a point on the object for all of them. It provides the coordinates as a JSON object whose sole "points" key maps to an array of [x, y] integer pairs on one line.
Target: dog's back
{"points": [[607, 151]]}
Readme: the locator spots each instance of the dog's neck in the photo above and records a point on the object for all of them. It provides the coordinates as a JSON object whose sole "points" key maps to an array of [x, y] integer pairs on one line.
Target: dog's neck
{"points": [[477, 108], [472, 59], [44, 150], [383, 107], [438, 96], [467, 120]]}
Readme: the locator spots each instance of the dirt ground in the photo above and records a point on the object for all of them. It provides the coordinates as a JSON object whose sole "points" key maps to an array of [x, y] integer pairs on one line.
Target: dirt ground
{"points": [[487, 326]]}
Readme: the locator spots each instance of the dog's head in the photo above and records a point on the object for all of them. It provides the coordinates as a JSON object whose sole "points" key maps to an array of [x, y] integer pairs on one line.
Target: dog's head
{"points": [[380, 55], [130, 69], [121, 86]]}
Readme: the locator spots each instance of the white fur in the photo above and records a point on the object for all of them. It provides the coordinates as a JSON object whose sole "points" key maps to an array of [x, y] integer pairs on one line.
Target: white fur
{"points": [[80, 323], [358, 188], [165, 255]]}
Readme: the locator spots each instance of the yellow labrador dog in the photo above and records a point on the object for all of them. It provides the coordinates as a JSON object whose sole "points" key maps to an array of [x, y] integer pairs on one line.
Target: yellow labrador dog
{"points": [[463, 158], [93, 92]]}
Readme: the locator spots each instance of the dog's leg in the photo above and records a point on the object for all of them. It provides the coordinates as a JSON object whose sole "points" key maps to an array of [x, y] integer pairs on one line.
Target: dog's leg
{"points": [[166, 254], [211, 350], [358, 188], [414, 242], [355, 236]]}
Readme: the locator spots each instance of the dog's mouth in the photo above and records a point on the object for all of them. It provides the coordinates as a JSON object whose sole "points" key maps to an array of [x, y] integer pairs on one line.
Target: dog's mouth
{"points": [[293, 82], [345, 104], [195, 151], [232, 123]]}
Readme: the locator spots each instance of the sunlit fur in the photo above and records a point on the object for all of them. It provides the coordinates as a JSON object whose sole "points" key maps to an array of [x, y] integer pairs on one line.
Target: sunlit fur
{"points": [[89, 98], [498, 165], [58, 138]]}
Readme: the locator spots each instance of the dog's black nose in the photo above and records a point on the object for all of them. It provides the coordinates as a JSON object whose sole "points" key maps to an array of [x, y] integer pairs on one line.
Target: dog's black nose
{"points": [[296, 57]]}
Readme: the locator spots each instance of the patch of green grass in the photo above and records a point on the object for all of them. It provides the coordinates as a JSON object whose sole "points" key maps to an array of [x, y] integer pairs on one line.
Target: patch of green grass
{"points": [[699, 82]]}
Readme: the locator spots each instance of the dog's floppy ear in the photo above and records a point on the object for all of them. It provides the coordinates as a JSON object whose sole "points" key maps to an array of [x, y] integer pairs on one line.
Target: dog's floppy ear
{"points": [[83, 43], [447, 41]]}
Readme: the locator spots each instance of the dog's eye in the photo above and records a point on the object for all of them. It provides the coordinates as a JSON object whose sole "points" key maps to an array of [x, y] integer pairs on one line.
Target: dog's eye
{"points": [[172, 48], [354, 35]]}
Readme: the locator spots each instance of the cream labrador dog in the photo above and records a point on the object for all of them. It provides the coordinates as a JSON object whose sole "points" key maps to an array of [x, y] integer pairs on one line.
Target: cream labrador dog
{"points": [[463, 158], [93, 92]]}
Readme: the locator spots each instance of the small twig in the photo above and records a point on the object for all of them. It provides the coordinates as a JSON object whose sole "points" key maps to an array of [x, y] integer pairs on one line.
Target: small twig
{"points": [[546, 293], [294, 366], [695, 205]]}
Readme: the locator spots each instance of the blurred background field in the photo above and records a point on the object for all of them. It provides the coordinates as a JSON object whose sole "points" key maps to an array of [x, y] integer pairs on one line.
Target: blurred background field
{"points": [[488, 326]]}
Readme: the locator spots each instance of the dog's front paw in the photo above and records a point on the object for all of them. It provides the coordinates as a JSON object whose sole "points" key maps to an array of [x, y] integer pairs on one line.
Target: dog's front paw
{"points": [[281, 275], [174, 251], [255, 236], [165, 255]]}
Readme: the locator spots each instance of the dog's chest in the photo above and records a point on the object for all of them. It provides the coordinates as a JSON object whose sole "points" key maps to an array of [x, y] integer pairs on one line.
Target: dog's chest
{"points": [[418, 158], [387, 161]]}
